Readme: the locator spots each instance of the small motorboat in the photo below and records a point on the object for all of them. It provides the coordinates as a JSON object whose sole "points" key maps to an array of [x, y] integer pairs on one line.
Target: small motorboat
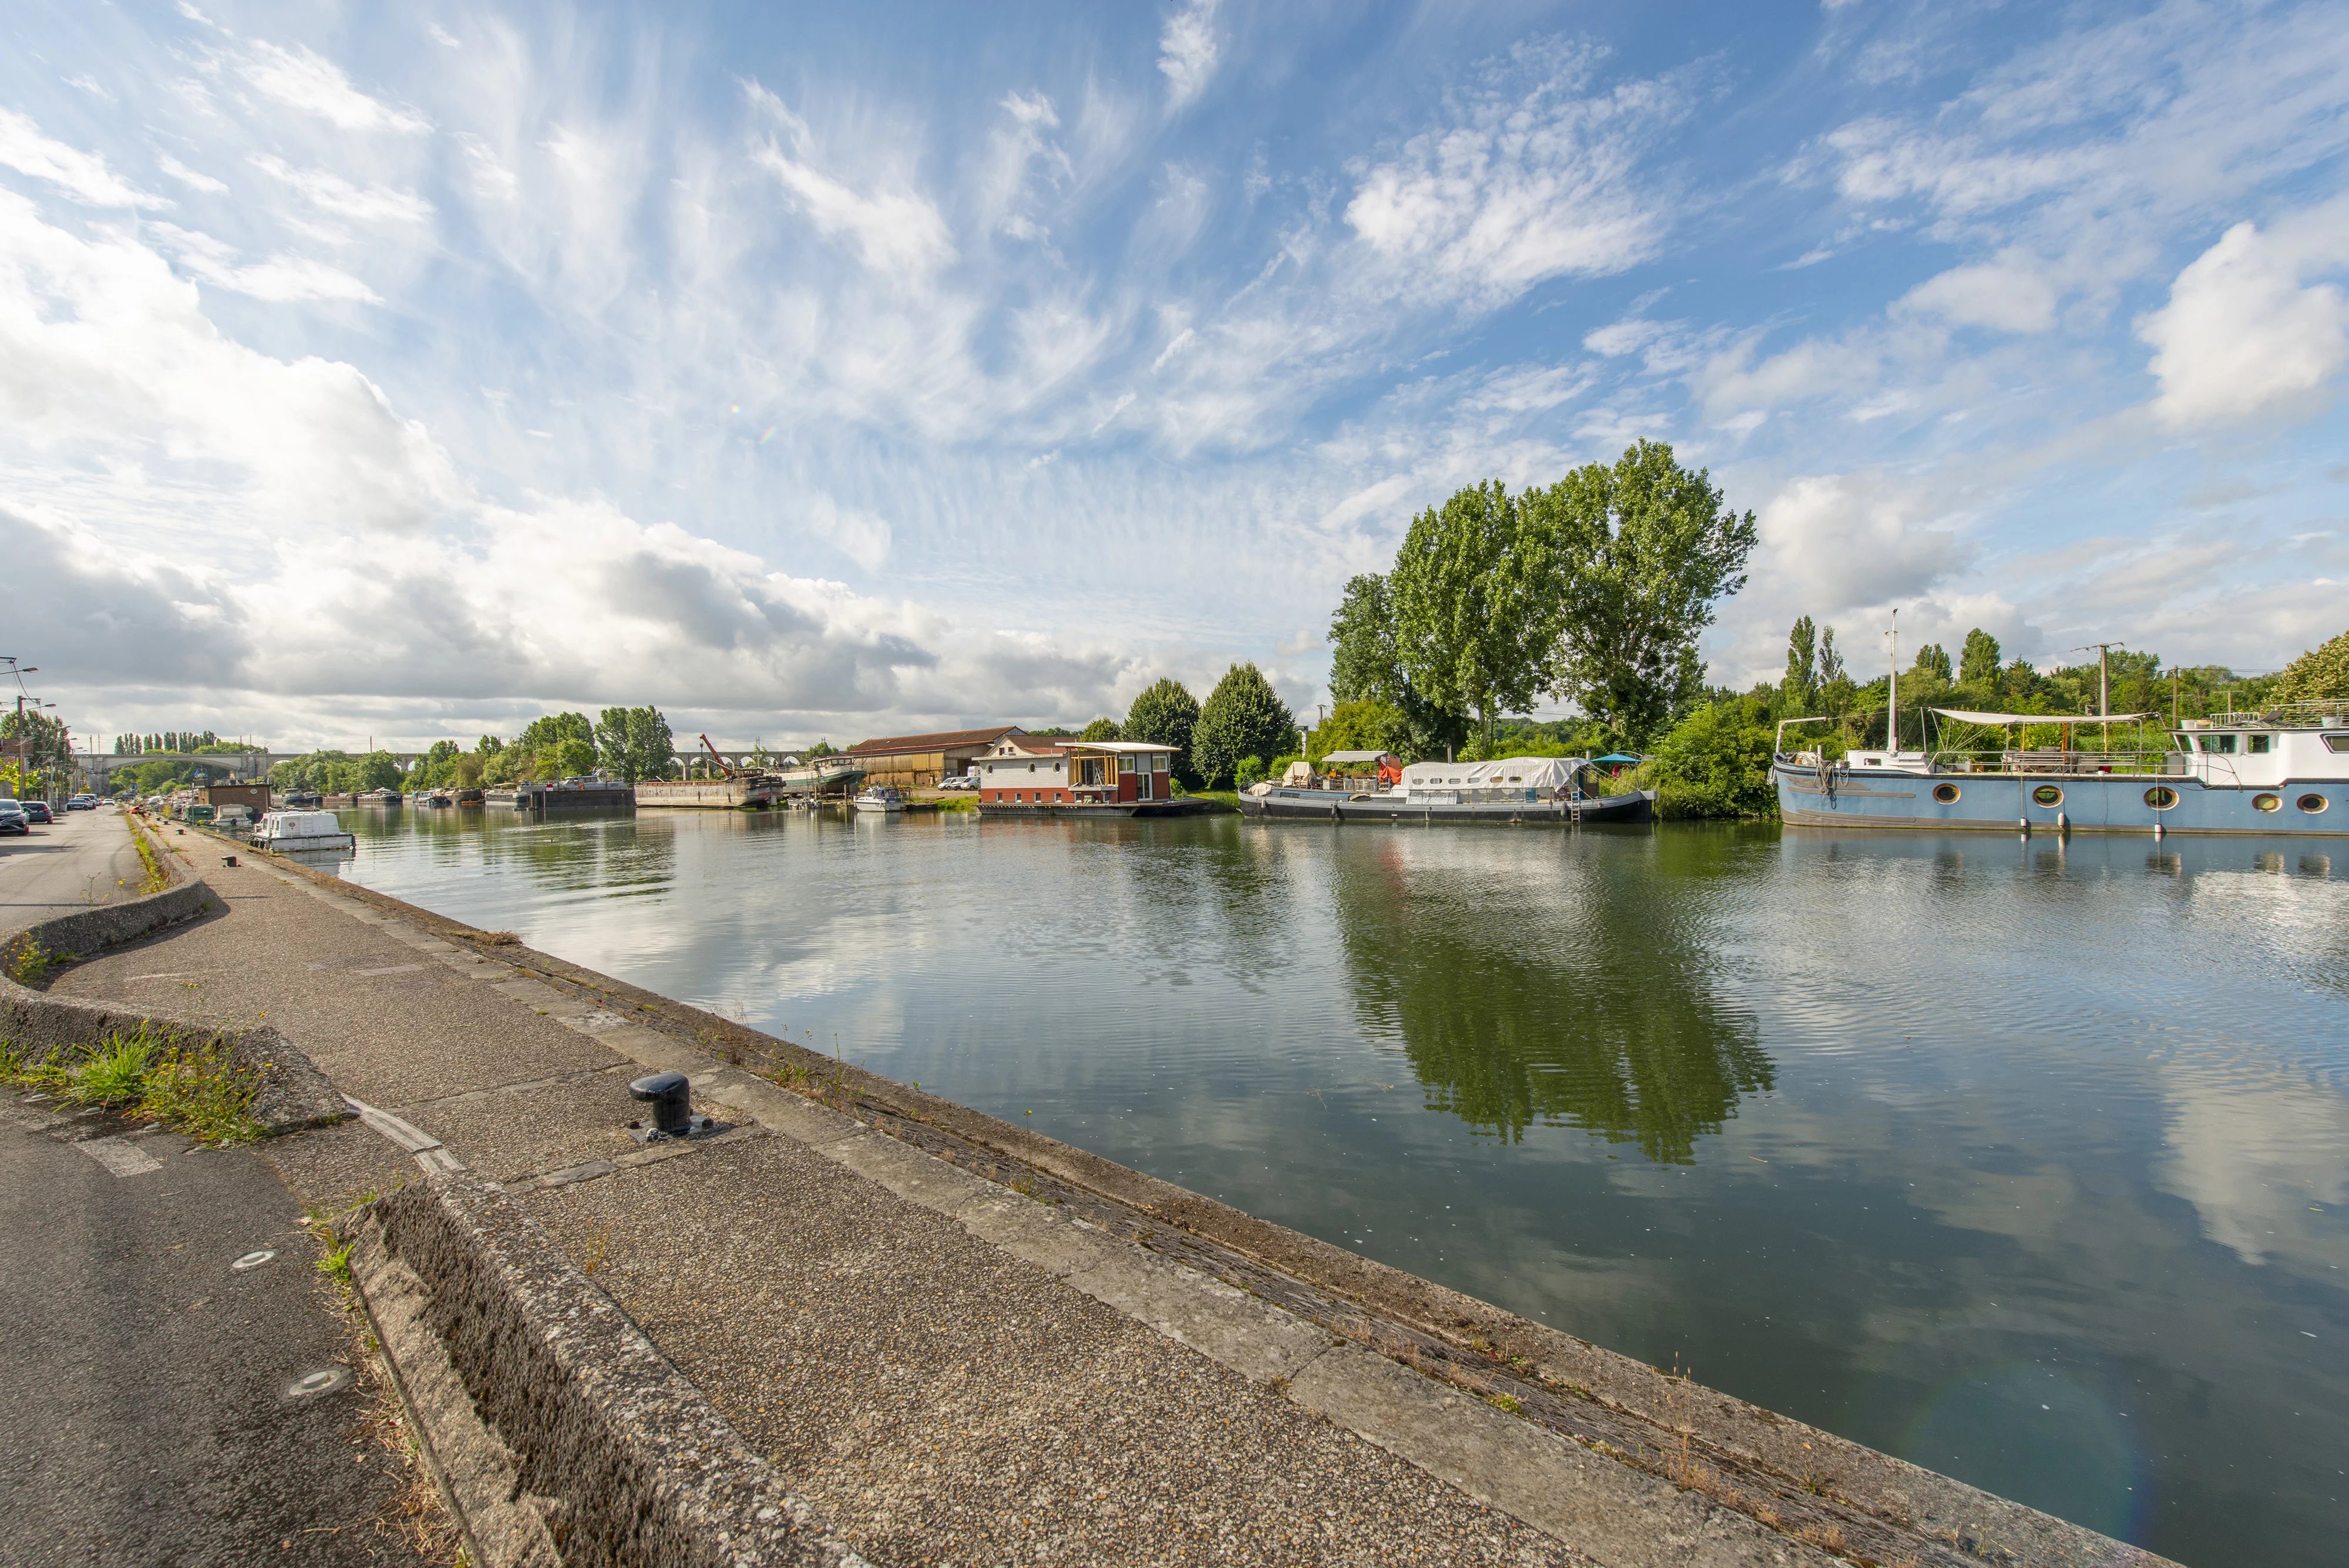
{"points": [[881, 797], [292, 832]]}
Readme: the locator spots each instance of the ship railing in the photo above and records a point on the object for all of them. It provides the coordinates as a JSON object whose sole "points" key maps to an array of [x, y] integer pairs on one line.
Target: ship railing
{"points": [[2055, 760]]}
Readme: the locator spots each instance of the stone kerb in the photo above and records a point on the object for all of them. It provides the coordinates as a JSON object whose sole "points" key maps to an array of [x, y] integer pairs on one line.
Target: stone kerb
{"points": [[620, 1458]]}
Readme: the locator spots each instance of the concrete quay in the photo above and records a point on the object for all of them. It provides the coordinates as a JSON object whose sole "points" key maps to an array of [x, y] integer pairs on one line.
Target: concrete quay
{"points": [[926, 1336]]}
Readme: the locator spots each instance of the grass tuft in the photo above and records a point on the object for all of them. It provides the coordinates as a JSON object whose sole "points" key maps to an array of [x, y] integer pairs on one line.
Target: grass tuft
{"points": [[190, 1086]]}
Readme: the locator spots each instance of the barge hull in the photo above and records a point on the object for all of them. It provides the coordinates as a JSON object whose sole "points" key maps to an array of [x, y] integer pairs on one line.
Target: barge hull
{"points": [[1326, 805], [2080, 802]]}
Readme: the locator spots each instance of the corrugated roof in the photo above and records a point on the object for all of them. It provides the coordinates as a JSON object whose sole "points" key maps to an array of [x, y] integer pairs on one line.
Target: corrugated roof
{"points": [[883, 745]]}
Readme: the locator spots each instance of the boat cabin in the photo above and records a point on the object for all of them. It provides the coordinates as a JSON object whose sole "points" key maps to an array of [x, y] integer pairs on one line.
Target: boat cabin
{"points": [[1509, 779], [2237, 750], [1039, 770]]}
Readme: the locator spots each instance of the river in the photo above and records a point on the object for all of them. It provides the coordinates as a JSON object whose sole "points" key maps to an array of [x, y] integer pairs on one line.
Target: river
{"points": [[2023, 1160]]}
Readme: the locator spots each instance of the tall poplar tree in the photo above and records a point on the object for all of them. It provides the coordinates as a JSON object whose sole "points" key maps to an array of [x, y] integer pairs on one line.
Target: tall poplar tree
{"points": [[1644, 550], [1475, 601]]}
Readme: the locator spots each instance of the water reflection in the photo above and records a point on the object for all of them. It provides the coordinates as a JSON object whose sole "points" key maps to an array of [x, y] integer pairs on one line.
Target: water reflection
{"points": [[1577, 1005]]}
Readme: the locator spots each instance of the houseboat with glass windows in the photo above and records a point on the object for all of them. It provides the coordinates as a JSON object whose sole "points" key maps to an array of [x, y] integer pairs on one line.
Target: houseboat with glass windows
{"points": [[1021, 774], [2282, 770]]}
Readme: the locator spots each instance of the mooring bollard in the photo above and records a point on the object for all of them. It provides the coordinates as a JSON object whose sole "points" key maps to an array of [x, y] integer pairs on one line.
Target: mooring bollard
{"points": [[228, 859], [670, 1095]]}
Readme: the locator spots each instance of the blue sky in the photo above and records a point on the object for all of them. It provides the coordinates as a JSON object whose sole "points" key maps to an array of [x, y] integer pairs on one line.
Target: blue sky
{"points": [[401, 371]]}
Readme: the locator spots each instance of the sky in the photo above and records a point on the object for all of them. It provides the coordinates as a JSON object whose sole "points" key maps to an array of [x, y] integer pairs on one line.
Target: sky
{"points": [[405, 371]]}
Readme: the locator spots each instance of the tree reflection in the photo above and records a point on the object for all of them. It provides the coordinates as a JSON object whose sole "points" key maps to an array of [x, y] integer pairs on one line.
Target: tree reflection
{"points": [[1570, 996]]}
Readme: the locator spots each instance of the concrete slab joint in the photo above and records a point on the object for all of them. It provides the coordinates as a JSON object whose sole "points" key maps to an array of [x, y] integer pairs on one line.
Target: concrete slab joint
{"points": [[614, 1457]]}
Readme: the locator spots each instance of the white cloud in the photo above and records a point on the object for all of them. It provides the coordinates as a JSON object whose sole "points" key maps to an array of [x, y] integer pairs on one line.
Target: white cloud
{"points": [[81, 175], [104, 354], [189, 177], [283, 279], [861, 536], [2241, 335], [899, 233], [1836, 541], [2011, 293], [1628, 335], [304, 80], [1188, 50], [332, 193], [1528, 183]]}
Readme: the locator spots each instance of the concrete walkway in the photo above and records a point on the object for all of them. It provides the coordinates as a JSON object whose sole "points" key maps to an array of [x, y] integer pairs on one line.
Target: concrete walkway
{"points": [[941, 1398], [83, 857], [153, 1401]]}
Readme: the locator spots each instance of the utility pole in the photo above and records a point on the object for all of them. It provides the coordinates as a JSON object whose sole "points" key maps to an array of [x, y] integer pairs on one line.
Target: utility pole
{"points": [[2103, 684]]}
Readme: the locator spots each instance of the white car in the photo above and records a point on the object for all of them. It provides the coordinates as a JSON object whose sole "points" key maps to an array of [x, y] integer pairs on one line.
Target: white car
{"points": [[959, 781]]}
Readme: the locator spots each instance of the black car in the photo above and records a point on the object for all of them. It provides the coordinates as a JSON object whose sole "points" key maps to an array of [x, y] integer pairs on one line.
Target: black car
{"points": [[39, 811], [13, 818]]}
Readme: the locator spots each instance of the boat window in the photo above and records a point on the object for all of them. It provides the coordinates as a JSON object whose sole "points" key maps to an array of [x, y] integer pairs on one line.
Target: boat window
{"points": [[2048, 795], [1946, 793], [2312, 804], [2258, 743], [2336, 742], [2161, 798], [2267, 803], [2219, 743]]}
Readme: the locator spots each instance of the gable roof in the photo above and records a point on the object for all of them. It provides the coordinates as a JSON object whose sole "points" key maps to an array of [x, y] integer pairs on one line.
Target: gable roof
{"points": [[884, 745]]}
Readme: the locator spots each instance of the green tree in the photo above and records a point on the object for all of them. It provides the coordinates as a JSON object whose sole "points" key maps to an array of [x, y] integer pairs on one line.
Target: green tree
{"points": [[1365, 666], [1978, 662], [1100, 730], [1800, 689], [821, 749], [1474, 596], [438, 765], [378, 769], [1243, 717], [488, 746], [1645, 549], [1166, 712], [1716, 762], [634, 743], [1365, 724], [1932, 666], [2321, 674]]}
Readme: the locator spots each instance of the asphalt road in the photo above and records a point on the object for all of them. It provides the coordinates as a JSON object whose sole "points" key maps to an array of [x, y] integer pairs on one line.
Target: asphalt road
{"points": [[151, 1403], [83, 857]]}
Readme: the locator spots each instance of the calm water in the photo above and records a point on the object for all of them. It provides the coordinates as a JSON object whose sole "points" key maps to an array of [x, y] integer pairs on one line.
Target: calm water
{"points": [[2024, 1162]]}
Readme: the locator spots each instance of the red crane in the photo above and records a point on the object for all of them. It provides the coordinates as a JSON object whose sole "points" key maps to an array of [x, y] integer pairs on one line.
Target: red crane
{"points": [[714, 757]]}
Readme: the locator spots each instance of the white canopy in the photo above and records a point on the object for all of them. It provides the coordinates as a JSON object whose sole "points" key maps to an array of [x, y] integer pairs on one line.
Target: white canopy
{"points": [[1968, 716], [1533, 773], [1355, 756]]}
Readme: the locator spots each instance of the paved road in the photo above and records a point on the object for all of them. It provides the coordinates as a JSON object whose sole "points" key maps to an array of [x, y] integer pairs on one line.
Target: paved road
{"points": [[83, 857], [147, 1410]]}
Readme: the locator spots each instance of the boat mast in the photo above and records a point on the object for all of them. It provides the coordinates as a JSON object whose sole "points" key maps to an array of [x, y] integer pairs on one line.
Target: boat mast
{"points": [[1892, 722]]}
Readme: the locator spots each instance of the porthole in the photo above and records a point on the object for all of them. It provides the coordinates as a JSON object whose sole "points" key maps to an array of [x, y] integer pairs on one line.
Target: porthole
{"points": [[2161, 798], [2312, 804], [1946, 793], [2267, 803], [2048, 795]]}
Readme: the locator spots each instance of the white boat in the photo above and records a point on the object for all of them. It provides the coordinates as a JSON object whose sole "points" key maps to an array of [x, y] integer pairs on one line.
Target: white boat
{"points": [[881, 797], [292, 832]]}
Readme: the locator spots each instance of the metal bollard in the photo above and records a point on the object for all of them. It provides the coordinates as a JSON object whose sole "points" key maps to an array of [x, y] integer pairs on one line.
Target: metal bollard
{"points": [[670, 1095]]}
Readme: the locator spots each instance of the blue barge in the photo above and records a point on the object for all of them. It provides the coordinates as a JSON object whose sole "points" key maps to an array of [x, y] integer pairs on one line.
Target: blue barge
{"points": [[2281, 773]]}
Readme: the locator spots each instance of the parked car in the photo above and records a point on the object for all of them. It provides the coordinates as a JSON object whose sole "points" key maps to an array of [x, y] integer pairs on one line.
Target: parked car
{"points": [[82, 803], [959, 781], [12, 819], [39, 811]]}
